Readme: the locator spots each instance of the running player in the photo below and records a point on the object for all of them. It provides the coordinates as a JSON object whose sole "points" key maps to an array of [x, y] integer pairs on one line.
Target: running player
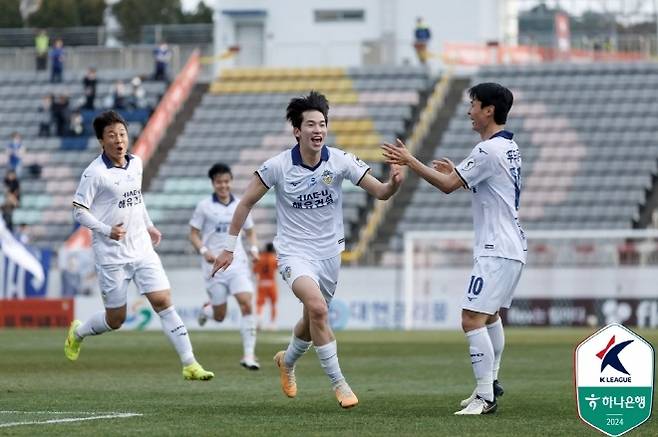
{"points": [[308, 182], [208, 228], [109, 202]]}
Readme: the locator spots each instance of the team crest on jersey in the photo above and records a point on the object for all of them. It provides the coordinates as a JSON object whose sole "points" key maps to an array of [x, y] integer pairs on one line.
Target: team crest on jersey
{"points": [[327, 177], [469, 164], [287, 272]]}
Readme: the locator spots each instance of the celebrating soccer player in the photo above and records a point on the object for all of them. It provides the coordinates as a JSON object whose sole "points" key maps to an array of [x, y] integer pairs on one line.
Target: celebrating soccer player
{"points": [[308, 182], [109, 202], [492, 172], [208, 232]]}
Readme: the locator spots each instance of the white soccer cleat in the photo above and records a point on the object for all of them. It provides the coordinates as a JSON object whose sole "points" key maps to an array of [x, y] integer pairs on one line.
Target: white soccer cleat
{"points": [[250, 363], [202, 318], [497, 390], [468, 400], [478, 406]]}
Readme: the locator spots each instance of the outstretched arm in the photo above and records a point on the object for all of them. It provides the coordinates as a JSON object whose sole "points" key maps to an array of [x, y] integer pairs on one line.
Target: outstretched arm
{"points": [[383, 190], [255, 191], [443, 176]]}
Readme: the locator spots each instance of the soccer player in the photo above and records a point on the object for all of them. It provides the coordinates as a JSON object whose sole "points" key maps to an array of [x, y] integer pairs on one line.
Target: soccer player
{"points": [[308, 182], [265, 268], [492, 172], [109, 202], [208, 229]]}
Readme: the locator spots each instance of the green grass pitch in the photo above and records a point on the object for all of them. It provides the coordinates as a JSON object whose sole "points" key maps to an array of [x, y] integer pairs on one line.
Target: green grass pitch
{"points": [[408, 384]]}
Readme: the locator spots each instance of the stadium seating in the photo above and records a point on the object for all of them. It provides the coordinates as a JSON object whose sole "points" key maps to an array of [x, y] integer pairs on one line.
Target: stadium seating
{"points": [[587, 134], [46, 197], [242, 122]]}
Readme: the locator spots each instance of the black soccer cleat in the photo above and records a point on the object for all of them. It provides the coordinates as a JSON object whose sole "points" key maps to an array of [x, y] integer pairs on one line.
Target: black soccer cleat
{"points": [[497, 389]]}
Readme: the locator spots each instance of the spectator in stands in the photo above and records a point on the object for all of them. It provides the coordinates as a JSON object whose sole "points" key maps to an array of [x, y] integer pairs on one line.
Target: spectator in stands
{"points": [[162, 57], [76, 124], [60, 112], [15, 153], [11, 198], [57, 61], [119, 96], [12, 184], [89, 88], [45, 115], [137, 99], [422, 37], [9, 204], [41, 45]]}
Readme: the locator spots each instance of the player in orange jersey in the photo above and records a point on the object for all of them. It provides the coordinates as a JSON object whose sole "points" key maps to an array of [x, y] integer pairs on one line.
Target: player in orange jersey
{"points": [[265, 268]]}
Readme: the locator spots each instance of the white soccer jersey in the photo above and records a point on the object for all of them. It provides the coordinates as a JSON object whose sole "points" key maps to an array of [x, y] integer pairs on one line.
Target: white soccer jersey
{"points": [[213, 219], [309, 203], [493, 174], [113, 195]]}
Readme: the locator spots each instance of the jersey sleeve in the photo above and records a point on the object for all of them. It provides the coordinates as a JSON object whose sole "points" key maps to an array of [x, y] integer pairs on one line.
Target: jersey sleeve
{"points": [[197, 217], [270, 172], [477, 167], [87, 190], [354, 168]]}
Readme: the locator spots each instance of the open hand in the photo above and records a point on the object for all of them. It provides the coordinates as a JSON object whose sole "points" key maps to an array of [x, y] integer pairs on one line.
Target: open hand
{"points": [[443, 165], [396, 153]]}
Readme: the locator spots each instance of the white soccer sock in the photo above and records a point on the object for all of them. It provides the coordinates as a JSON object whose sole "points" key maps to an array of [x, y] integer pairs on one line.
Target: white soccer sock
{"points": [[175, 329], [497, 336], [482, 353], [95, 325], [328, 355], [248, 332], [296, 349]]}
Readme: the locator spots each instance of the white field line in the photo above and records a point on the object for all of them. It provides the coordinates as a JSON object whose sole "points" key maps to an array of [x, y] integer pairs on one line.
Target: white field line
{"points": [[110, 415]]}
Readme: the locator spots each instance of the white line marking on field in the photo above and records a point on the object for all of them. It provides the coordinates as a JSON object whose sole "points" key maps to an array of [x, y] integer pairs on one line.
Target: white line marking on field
{"points": [[111, 415]]}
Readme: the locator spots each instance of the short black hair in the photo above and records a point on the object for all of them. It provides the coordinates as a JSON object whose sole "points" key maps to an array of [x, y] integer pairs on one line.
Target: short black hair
{"points": [[219, 168], [490, 93], [106, 119], [269, 247], [315, 101]]}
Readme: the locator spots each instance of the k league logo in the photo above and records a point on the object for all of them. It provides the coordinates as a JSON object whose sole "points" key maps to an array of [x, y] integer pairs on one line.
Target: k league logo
{"points": [[614, 376], [610, 356]]}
